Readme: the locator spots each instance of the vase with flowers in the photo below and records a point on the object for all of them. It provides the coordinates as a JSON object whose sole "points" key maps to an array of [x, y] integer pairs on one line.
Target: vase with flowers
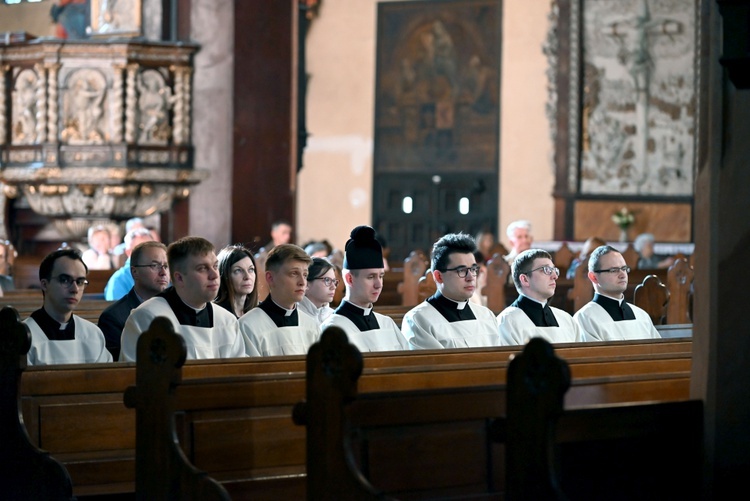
{"points": [[624, 219]]}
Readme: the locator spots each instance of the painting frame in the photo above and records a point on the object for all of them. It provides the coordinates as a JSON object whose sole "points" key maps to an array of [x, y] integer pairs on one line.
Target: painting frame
{"points": [[115, 18]]}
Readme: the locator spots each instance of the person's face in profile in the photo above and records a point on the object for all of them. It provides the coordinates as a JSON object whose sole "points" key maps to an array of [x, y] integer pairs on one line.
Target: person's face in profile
{"points": [[365, 285], [198, 281], [289, 283], [611, 283], [540, 285], [320, 293]]}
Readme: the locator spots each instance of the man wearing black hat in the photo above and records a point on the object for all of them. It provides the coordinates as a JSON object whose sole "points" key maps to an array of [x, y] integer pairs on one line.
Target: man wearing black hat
{"points": [[448, 319], [363, 276]]}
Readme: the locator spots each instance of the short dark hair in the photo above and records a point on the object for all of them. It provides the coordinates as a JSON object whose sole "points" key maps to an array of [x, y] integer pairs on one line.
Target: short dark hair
{"points": [[227, 257], [319, 267], [597, 255], [523, 263], [283, 253], [279, 222], [451, 243], [135, 257], [180, 250], [45, 267]]}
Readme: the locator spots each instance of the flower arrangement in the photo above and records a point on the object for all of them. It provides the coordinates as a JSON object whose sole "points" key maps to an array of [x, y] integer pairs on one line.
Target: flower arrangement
{"points": [[623, 218]]}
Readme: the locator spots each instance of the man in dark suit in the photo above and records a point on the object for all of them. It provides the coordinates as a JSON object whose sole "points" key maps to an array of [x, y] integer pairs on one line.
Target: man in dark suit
{"points": [[148, 265]]}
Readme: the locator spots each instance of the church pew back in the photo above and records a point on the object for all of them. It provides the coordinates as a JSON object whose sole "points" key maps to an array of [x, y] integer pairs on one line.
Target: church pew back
{"points": [[425, 443], [236, 425]]}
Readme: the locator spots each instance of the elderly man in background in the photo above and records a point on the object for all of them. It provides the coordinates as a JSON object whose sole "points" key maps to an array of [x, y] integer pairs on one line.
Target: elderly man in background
{"points": [[519, 235]]}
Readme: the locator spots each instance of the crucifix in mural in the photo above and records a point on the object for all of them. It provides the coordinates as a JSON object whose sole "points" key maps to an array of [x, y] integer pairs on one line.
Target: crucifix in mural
{"points": [[639, 103]]}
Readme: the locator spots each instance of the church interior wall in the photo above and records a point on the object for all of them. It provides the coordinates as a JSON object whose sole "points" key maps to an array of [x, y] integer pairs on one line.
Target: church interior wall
{"points": [[335, 185]]}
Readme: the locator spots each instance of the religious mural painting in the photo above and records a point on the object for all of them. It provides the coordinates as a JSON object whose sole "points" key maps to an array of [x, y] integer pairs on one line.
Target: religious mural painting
{"points": [[638, 118], [437, 85], [436, 120]]}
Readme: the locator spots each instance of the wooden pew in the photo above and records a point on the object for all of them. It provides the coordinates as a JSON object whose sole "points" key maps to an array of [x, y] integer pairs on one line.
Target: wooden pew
{"points": [[234, 420], [26, 472], [498, 276], [679, 284], [415, 266], [652, 296], [162, 470], [439, 443]]}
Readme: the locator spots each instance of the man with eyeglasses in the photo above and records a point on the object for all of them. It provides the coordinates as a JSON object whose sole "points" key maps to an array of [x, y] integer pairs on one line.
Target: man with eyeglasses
{"points": [[277, 326], [535, 277], [121, 281], [148, 265], [608, 317], [209, 330], [57, 335], [363, 273], [448, 319]]}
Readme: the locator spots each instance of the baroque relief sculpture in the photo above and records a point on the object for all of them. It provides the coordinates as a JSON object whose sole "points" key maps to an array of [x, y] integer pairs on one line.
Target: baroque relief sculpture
{"points": [[24, 107], [639, 113], [84, 107], [154, 102]]}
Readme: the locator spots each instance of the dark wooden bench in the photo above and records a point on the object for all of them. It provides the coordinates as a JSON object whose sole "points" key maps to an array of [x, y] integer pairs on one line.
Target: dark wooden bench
{"points": [[233, 415], [26, 472], [455, 444]]}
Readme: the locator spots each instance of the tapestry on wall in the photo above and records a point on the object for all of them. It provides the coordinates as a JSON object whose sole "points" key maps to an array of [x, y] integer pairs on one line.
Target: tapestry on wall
{"points": [[437, 85], [638, 121]]}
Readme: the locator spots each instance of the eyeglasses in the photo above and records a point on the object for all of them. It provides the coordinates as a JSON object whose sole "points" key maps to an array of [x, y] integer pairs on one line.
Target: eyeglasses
{"points": [[67, 281], [547, 270], [626, 269], [153, 266], [327, 281], [462, 271]]}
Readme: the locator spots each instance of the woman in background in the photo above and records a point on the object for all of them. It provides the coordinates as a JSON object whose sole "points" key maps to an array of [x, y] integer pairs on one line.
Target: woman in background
{"points": [[237, 292], [321, 287]]}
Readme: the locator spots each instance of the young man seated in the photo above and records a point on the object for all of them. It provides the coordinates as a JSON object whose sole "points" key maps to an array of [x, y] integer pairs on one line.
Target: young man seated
{"points": [[449, 319], [209, 331], [277, 326], [608, 317], [57, 335], [535, 277], [363, 274]]}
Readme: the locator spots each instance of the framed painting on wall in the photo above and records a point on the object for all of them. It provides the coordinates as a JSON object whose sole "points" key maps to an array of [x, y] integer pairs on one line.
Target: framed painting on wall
{"points": [[437, 109], [116, 18]]}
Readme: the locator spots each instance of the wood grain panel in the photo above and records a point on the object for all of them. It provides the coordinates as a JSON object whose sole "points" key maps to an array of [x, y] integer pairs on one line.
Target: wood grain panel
{"points": [[669, 222]]}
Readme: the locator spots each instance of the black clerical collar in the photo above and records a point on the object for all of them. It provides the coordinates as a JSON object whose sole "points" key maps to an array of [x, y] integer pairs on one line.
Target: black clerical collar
{"points": [[187, 315], [452, 311], [542, 316], [363, 318], [618, 310], [51, 327], [280, 316]]}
